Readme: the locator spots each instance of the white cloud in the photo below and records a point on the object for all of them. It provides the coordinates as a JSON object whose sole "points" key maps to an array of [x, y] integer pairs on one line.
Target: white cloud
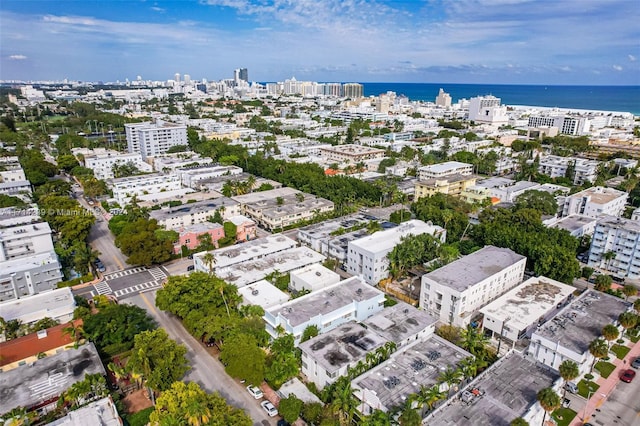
{"points": [[617, 68], [158, 9], [632, 58], [17, 57]]}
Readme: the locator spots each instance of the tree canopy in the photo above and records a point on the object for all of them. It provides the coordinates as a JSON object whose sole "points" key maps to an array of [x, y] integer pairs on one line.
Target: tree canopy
{"points": [[243, 358]]}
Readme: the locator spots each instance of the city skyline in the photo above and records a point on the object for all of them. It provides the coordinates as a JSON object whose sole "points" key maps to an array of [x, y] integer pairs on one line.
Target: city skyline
{"points": [[466, 41]]}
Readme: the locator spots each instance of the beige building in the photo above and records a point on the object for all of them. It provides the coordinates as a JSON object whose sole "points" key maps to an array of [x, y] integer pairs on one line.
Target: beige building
{"points": [[350, 153], [451, 185]]}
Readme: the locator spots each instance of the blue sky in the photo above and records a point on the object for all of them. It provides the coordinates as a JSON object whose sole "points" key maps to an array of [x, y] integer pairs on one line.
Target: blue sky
{"points": [[436, 41]]}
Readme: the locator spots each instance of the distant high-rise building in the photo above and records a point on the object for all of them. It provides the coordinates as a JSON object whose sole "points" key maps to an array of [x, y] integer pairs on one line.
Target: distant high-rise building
{"points": [[352, 90], [187, 79], [244, 74], [443, 99], [151, 139], [176, 77], [487, 109]]}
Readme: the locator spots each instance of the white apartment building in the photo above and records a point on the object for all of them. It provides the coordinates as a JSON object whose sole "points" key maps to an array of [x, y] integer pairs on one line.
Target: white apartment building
{"points": [[367, 256], [455, 292], [567, 125], [329, 356], [555, 166], [153, 138], [618, 236], [402, 324], [487, 109], [507, 190], [568, 334], [102, 163], [447, 168], [328, 308], [13, 181], [350, 153], [29, 275], [312, 278], [12, 216], [191, 176], [57, 304], [127, 187], [595, 202], [166, 163], [199, 212], [25, 240]]}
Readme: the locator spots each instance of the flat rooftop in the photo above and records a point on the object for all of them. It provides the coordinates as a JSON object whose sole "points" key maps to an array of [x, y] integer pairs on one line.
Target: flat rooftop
{"points": [[47, 377], [580, 322], [344, 345], [619, 222], [262, 293], [321, 302], [250, 271], [102, 412], [389, 238], [38, 306], [248, 250], [600, 195], [271, 194], [445, 167], [495, 182], [324, 229], [299, 389], [317, 273], [475, 267], [353, 149], [192, 208], [408, 369], [398, 322], [527, 303], [25, 231], [507, 390], [574, 222]]}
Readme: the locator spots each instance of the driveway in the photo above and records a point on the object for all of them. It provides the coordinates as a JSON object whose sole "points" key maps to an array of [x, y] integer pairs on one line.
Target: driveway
{"points": [[205, 370]]}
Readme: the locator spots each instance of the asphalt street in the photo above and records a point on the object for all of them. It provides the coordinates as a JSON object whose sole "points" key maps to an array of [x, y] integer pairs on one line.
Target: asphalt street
{"points": [[621, 407], [205, 370]]}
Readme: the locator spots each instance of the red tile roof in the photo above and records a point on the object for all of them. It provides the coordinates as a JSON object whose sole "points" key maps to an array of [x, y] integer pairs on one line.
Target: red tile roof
{"points": [[30, 345]]}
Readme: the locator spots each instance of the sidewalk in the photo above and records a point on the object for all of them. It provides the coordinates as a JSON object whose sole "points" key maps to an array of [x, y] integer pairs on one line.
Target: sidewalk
{"points": [[606, 386]]}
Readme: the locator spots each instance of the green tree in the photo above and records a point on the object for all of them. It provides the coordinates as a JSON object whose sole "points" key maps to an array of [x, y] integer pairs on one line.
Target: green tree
{"points": [[9, 201], [187, 404], [603, 282], [243, 358], [312, 411], [377, 418], [542, 201], [610, 333], [160, 360], [282, 363], [290, 408], [310, 332], [43, 324], [409, 417], [549, 401], [598, 349], [519, 421], [629, 290], [568, 370], [140, 243], [343, 403], [628, 320], [475, 341], [67, 162]]}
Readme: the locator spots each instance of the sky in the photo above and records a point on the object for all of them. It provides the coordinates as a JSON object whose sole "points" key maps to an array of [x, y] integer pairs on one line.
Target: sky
{"points": [[583, 42]]}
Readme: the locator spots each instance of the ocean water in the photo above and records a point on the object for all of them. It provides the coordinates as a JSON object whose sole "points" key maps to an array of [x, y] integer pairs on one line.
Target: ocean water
{"points": [[603, 98]]}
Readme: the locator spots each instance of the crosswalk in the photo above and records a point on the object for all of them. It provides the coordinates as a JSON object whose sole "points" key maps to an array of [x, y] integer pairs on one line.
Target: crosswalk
{"points": [[138, 288], [156, 273], [103, 288], [125, 272]]}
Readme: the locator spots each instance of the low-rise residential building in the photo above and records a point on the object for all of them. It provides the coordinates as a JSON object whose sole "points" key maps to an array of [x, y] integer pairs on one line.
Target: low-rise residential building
{"points": [[102, 412], [124, 189], [20, 189], [262, 293], [441, 170], [282, 262], [595, 202], [246, 228], [13, 216], [154, 138], [102, 163], [615, 246], [568, 334], [367, 256], [167, 163], [453, 185], [29, 275], [26, 349], [455, 292], [192, 236], [56, 304], [390, 384], [25, 240], [577, 225], [38, 385], [192, 176], [193, 213], [506, 190], [350, 153], [555, 166], [402, 324], [312, 278], [318, 235], [505, 391], [351, 299], [517, 313], [13, 181], [329, 356], [251, 250], [217, 184]]}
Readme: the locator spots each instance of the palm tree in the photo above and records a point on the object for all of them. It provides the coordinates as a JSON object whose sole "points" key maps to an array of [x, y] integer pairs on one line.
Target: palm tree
{"points": [[118, 371], [628, 319], [197, 414], [569, 370], [599, 349], [409, 417], [450, 377], [636, 306], [628, 291], [75, 331], [519, 421], [469, 367], [610, 332], [343, 402], [429, 396], [549, 400], [474, 341], [608, 257]]}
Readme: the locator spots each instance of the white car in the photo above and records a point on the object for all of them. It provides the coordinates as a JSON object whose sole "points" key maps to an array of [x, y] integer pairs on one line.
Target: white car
{"points": [[254, 391], [269, 408]]}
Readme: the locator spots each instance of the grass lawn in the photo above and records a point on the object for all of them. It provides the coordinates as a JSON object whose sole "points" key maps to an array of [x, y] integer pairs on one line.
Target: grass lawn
{"points": [[633, 338], [605, 368], [563, 416], [620, 350], [584, 386]]}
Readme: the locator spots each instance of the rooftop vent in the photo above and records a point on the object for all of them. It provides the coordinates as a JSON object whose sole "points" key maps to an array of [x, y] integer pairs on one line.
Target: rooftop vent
{"points": [[255, 292]]}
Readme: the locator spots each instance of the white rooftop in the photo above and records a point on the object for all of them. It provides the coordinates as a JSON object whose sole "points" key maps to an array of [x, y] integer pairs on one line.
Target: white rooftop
{"points": [[262, 293], [271, 194], [445, 167], [317, 274], [389, 238], [239, 220], [248, 250], [38, 306], [527, 303], [102, 412]]}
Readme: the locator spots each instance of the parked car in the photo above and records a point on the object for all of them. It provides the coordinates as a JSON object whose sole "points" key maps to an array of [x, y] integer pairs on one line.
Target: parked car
{"points": [[269, 408], [571, 387], [636, 363], [190, 268], [254, 391], [566, 402], [99, 265], [627, 376]]}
